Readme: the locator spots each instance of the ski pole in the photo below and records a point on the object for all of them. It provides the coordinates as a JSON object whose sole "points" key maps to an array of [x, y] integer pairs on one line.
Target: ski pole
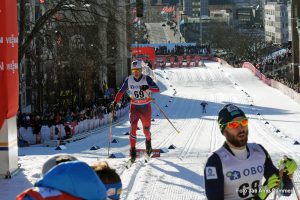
{"points": [[281, 170], [296, 190], [293, 182], [110, 132], [153, 101]]}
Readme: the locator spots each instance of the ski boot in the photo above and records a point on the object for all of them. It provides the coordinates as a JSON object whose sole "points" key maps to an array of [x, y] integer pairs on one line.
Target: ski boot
{"points": [[148, 148], [132, 154]]}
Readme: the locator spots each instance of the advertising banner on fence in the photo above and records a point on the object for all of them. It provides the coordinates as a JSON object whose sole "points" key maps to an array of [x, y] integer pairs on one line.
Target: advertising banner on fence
{"points": [[147, 52], [257, 73], [9, 78], [180, 61]]}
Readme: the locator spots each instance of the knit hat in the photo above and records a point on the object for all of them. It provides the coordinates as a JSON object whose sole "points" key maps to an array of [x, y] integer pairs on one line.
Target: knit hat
{"points": [[75, 178], [227, 114], [55, 160], [136, 64]]}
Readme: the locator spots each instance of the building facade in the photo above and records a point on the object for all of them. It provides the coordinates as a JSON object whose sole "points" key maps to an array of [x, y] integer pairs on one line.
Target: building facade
{"points": [[221, 16], [276, 23], [195, 8]]}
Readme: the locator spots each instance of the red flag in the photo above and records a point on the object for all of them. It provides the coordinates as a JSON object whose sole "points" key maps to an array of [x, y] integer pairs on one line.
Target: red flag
{"points": [[9, 78]]}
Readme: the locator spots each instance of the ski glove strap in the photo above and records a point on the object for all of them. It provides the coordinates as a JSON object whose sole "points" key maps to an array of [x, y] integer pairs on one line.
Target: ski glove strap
{"points": [[265, 190]]}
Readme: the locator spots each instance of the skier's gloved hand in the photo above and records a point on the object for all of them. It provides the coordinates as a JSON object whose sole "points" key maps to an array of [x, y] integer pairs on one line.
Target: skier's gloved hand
{"points": [[144, 87], [271, 183], [112, 106], [289, 165]]}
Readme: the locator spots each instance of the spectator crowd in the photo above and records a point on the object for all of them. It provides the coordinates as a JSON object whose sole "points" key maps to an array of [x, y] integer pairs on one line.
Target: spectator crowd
{"points": [[275, 67], [66, 119], [180, 50]]}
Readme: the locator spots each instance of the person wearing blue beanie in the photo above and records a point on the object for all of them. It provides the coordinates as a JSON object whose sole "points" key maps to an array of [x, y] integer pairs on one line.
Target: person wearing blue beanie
{"points": [[72, 180]]}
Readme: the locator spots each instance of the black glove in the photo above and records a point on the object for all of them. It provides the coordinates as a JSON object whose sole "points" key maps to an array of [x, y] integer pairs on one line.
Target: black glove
{"points": [[144, 87], [112, 106]]}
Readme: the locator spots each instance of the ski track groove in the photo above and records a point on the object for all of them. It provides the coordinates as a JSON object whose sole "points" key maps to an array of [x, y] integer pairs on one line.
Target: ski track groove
{"points": [[196, 126], [172, 134], [214, 131]]}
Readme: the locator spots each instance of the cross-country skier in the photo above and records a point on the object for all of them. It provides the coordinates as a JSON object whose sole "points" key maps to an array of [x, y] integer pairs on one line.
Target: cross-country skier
{"points": [[203, 104], [140, 87], [236, 169]]}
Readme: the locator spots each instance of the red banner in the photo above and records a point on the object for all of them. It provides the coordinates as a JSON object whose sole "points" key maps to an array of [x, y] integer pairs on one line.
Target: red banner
{"points": [[149, 52], [9, 78]]}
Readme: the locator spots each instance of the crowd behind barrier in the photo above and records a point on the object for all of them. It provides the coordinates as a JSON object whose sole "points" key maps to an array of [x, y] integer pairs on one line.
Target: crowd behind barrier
{"points": [[277, 63], [272, 63], [37, 129], [257, 73], [275, 67], [181, 50], [60, 131], [284, 81], [286, 89], [181, 61]]}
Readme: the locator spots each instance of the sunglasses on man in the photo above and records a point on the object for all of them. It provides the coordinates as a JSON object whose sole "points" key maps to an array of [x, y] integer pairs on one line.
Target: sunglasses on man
{"points": [[235, 124]]}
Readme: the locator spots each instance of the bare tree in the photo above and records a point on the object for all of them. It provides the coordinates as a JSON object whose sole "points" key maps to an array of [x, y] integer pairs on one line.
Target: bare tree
{"points": [[247, 45], [67, 45]]}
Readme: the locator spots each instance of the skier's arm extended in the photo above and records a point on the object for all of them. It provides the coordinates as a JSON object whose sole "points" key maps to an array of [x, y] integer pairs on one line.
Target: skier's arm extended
{"points": [[214, 179], [121, 92]]}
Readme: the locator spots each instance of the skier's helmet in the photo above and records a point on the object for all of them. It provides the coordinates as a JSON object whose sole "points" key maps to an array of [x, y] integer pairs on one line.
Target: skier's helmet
{"points": [[136, 65]]}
